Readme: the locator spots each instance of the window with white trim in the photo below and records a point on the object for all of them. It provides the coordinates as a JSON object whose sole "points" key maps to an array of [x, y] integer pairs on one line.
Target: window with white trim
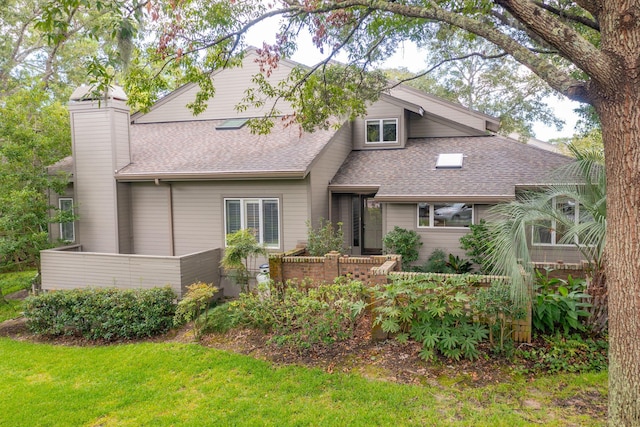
{"points": [[381, 131], [67, 228], [262, 216], [458, 214], [552, 232]]}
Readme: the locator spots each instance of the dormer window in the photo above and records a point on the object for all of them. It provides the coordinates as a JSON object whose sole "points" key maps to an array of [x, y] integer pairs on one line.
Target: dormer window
{"points": [[381, 131]]}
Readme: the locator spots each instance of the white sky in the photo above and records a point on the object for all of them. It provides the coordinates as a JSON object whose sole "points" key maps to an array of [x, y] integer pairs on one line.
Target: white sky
{"points": [[407, 55]]}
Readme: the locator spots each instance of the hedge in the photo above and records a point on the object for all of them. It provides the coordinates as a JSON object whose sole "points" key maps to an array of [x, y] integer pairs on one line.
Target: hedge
{"points": [[102, 313]]}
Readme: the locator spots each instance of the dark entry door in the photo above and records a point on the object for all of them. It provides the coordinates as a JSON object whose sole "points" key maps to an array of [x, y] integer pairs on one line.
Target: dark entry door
{"points": [[371, 226]]}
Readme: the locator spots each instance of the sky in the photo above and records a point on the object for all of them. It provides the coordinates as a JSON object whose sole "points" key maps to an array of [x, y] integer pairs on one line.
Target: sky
{"points": [[407, 55]]}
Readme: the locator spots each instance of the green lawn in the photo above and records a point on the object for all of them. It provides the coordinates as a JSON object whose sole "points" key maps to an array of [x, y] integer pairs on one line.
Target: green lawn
{"points": [[156, 384], [10, 283]]}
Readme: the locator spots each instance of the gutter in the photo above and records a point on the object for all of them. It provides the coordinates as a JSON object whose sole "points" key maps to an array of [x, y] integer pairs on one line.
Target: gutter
{"points": [[209, 176]]}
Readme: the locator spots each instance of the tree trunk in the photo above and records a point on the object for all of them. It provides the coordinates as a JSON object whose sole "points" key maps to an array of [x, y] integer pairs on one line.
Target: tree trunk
{"points": [[621, 133]]}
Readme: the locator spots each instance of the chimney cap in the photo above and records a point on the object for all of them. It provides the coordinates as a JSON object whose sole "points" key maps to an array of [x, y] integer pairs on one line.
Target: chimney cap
{"points": [[88, 93]]}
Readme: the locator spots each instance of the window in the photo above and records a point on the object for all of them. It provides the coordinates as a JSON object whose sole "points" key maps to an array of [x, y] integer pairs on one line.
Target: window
{"points": [[445, 214], [232, 124], [67, 228], [552, 232], [449, 161], [381, 131], [259, 215]]}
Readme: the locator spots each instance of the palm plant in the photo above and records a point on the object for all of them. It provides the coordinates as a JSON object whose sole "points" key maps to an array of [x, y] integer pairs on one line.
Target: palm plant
{"points": [[509, 252], [240, 255]]}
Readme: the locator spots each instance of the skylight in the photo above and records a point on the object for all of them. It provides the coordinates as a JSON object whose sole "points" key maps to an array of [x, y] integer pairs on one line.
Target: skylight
{"points": [[449, 161], [232, 124]]}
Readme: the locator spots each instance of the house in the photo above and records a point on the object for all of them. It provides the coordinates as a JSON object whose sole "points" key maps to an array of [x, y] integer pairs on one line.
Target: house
{"points": [[155, 193]]}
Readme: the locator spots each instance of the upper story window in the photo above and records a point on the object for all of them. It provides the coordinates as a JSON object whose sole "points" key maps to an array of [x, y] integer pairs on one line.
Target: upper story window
{"points": [[262, 216], [445, 214], [67, 228], [553, 232], [381, 131]]}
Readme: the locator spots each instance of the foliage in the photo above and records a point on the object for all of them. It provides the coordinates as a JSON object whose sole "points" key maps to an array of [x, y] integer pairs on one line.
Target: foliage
{"points": [[325, 238], [34, 133], [402, 242], [436, 263], [220, 319], [567, 354], [478, 244], [559, 305], [495, 306], [459, 265], [240, 254], [195, 306], [102, 313], [510, 234], [430, 311], [17, 280], [303, 314]]}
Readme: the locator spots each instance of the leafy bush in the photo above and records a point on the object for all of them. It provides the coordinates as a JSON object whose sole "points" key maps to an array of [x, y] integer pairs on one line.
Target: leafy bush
{"points": [[403, 242], [559, 304], [220, 319], [478, 244], [459, 265], [102, 313], [436, 263], [325, 238], [495, 306], [195, 306], [568, 354], [431, 311], [302, 316]]}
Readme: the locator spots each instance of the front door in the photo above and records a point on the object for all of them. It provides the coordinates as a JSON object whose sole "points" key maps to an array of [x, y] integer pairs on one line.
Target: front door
{"points": [[371, 226]]}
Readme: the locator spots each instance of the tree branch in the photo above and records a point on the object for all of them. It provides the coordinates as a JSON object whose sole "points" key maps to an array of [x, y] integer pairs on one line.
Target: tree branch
{"points": [[570, 16]]}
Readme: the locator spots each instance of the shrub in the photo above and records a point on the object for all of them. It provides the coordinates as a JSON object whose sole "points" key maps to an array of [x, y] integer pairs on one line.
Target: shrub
{"points": [[195, 306], [102, 313], [241, 251], [431, 311], [325, 238], [302, 316], [459, 265], [220, 319], [559, 304], [403, 242], [436, 263], [478, 244]]}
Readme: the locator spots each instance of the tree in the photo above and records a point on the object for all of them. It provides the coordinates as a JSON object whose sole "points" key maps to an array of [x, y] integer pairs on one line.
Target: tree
{"points": [[577, 213], [34, 133], [587, 50], [490, 82]]}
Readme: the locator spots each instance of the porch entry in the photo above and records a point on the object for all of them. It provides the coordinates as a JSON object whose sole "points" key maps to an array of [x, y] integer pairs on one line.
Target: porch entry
{"points": [[371, 225]]}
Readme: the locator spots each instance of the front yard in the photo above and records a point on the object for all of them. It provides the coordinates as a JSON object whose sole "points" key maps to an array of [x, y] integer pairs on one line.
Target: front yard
{"points": [[165, 383]]}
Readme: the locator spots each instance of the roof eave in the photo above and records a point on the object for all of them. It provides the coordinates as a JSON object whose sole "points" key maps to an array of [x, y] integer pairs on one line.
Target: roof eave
{"points": [[210, 176], [471, 198]]}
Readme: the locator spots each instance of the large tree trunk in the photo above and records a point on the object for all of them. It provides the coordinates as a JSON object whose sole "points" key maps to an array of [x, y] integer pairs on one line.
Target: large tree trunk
{"points": [[621, 132]]}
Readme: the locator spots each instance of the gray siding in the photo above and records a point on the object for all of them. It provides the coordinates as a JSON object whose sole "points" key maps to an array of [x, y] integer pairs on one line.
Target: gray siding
{"points": [[125, 227], [198, 211], [450, 111], [380, 110], [72, 270], [151, 222], [121, 139], [227, 96], [323, 170], [430, 127]]}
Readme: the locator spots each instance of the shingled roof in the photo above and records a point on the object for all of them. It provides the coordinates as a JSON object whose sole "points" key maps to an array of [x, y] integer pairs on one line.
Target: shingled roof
{"points": [[198, 150], [493, 166]]}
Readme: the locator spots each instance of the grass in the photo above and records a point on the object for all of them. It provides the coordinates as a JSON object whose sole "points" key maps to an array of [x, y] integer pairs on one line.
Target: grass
{"points": [[162, 384], [10, 283]]}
